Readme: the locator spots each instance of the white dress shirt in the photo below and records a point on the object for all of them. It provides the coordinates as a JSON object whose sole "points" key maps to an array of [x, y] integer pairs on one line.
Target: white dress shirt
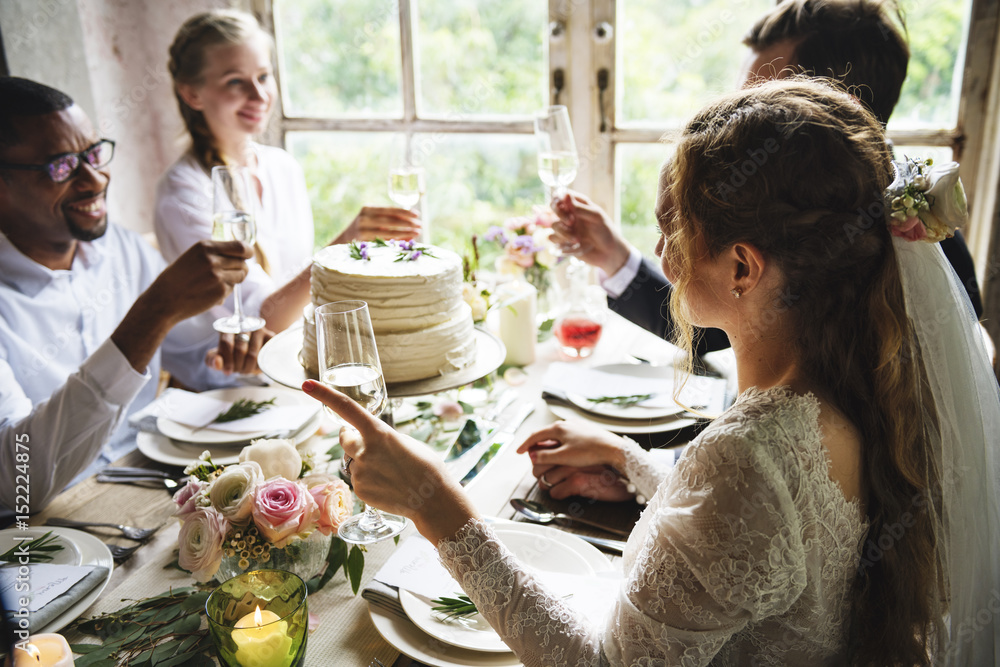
{"points": [[615, 285], [183, 216], [65, 388]]}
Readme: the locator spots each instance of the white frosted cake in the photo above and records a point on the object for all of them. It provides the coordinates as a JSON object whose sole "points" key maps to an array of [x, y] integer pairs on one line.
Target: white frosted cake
{"points": [[423, 327]]}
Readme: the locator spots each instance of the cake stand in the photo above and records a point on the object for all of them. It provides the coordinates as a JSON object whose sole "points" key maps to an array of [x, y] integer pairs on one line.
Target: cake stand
{"points": [[279, 360]]}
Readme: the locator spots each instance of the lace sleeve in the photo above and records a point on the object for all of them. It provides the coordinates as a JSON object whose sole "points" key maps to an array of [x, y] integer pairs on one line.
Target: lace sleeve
{"points": [[699, 567], [644, 470]]}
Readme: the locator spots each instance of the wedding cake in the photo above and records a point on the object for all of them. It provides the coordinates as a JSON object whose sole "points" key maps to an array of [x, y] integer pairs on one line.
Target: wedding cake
{"points": [[423, 327]]}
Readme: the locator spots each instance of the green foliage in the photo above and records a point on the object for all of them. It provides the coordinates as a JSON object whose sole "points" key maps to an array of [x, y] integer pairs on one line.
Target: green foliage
{"points": [[40, 550]]}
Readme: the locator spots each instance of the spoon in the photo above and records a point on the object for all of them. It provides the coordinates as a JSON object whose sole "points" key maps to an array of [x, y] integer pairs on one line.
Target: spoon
{"points": [[537, 513]]}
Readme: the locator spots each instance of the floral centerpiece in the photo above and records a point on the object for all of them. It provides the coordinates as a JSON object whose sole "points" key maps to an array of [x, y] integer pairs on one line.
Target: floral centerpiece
{"points": [[528, 250], [926, 202], [269, 510]]}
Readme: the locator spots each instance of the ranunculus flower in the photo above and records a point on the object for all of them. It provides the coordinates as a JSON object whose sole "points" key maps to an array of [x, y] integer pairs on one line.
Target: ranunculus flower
{"points": [[335, 503], [282, 509], [448, 410], [479, 308], [911, 229], [201, 538], [949, 207], [187, 497], [277, 458], [232, 492]]}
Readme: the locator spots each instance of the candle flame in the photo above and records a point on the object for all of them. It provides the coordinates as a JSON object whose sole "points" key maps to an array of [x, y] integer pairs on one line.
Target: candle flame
{"points": [[257, 618], [33, 651]]}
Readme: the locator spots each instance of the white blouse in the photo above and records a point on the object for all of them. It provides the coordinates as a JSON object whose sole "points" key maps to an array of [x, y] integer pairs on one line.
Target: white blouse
{"points": [[183, 216], [746, 554]]}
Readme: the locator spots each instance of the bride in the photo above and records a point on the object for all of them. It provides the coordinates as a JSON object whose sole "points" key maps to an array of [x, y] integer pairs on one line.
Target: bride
{"points": [[844, 509]]}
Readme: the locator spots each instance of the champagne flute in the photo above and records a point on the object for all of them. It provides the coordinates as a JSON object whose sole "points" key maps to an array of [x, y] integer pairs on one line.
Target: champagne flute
{"points": [[233, 219], [406, 178], [557, 157], [348, 362]]}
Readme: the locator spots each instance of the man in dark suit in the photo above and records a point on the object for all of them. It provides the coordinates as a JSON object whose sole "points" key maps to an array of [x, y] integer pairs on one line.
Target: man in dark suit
{"points": [[853, 41]]}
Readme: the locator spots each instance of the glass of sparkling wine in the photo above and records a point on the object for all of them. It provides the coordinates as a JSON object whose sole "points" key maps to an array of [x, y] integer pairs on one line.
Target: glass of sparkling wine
{"points": [[233, 207], [406, 185], [557, 158], [348, 362]]}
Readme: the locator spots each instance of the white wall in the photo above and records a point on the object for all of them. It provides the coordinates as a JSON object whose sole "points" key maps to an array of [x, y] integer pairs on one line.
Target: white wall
{"points": [[111, 57]]}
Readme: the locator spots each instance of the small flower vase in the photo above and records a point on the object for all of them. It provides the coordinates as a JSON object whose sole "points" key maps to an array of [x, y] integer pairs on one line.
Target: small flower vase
{"points": [[246, 551], [540, 278]]}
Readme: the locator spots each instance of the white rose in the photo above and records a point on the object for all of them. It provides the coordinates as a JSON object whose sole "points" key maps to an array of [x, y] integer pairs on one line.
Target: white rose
{"points": [[277, 458], [469, 292], [479, 307], [232, 491], [544, 257], [950, 209]]}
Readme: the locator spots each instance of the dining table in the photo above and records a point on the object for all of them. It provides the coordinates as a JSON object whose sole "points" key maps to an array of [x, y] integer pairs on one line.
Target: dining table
{"points": [[346, 634]]}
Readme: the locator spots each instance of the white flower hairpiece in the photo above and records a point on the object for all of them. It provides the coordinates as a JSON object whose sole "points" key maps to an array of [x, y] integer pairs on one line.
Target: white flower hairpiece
{"points": [[926, 202]]}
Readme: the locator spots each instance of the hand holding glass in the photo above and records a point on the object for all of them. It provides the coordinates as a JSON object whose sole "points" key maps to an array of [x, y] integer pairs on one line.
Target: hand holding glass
{"points": [[233, 207], [348, 362]]}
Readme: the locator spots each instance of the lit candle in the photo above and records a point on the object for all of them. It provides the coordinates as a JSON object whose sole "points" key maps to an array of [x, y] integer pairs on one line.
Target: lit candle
{"points": [[262, 640], [49, 650], [517, 322]]}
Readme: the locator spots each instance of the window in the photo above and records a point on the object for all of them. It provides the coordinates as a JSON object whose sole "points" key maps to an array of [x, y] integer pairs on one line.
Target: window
{"points": [[460, 79]]}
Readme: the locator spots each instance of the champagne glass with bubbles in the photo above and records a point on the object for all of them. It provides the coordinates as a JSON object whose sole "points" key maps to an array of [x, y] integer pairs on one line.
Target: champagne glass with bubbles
{"points": [[406, 178], [557, 157], [233, 206], [348, 362]]}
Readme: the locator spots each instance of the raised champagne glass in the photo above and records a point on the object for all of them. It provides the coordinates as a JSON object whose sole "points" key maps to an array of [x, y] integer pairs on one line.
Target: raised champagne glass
{"points": [[348, 362], [233, 207]]}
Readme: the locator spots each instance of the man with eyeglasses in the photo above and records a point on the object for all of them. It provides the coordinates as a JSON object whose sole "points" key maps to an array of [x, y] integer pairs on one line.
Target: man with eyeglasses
{"points": [[84, 305]]}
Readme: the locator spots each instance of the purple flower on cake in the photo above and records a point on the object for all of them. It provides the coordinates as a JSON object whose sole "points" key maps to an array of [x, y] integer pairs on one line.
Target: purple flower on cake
{"points": [[201, 538], [282, 509]]}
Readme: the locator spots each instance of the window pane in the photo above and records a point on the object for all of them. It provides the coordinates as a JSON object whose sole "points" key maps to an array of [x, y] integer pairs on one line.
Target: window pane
{"points": [[941, 154], [474, 181], [638, 167], [344, 171], [937, 34], [339, 57], [675, 56], [478, 57]]}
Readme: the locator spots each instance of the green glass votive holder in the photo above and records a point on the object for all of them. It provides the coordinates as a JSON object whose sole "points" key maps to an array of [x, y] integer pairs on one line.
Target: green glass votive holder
{"points": [[274, 636]]}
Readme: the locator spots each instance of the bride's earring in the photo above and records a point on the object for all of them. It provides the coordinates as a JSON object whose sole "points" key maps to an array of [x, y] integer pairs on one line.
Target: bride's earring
{"points": [[736, 292]]}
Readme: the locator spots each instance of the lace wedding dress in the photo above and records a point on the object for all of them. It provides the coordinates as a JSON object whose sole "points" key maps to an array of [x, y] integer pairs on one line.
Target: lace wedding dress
{"points": [[745, 554]]}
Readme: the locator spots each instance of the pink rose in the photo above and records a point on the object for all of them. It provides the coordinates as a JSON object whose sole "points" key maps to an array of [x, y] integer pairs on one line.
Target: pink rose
{"points": [[449, 410], [911, 229], [282, 509], [186, 498], [202, 535], [335, 504]]}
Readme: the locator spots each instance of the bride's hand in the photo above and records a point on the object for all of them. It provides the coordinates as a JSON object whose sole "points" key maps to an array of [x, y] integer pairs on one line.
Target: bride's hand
{"points": [[381, 223], [577, 460], [394, 472]]}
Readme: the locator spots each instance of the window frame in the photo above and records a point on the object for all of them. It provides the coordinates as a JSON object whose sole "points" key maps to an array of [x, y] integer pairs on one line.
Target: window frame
{"points": [[572, 48]]}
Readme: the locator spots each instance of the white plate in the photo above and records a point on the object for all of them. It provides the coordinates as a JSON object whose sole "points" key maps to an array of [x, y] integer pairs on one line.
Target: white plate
{"points": [[159, 447], [541, 551], [208, 436], [70, 554], [415, 644], [625, 426], [88, 549], [279, 360], [635, 412]]}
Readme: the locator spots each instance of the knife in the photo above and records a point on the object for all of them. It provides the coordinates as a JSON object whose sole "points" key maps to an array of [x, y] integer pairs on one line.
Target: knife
{"points": [[475, 459]]}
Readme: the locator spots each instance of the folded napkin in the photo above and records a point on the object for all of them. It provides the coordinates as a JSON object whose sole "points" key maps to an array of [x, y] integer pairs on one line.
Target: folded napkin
{"points": [[55, 607], [384, 597], [198, 410]]}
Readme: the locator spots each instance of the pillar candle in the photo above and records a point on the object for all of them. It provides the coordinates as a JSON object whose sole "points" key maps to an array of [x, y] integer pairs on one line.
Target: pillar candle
{"points": [[517, 322], [50, 650]]}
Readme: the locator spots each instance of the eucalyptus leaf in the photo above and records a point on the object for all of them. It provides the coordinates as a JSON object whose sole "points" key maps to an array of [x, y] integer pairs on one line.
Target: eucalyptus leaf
{"points": [[84, 649], [355, 567]]}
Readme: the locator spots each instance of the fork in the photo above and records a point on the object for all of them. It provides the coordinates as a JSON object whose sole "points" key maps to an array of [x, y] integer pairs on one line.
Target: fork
{"points": [[375, 663], [120, 553], [130, 532]]}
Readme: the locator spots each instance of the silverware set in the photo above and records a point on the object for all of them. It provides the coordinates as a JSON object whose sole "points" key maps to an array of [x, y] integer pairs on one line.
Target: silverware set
{"points": [[118, 552], [148, 477]]}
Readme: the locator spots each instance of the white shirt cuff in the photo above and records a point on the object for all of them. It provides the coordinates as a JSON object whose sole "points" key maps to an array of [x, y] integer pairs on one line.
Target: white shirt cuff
{"points": [[618, 283], [111, 375]]}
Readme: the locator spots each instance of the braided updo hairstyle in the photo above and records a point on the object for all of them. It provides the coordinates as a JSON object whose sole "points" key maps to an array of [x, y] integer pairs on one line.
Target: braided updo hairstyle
{"points": [[797, 168], [187, 65]]}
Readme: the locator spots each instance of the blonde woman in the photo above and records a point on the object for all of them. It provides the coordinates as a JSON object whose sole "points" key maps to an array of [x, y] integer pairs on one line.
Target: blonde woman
{"points": [[844, 510], [221, 65]]}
